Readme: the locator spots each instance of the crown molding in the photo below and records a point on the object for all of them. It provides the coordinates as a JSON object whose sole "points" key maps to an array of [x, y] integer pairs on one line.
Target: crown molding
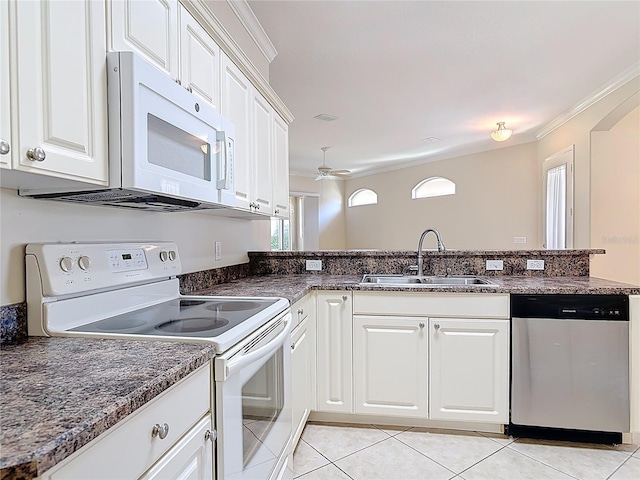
{"points": [[251, 24], [618, 81], [203, 15]]}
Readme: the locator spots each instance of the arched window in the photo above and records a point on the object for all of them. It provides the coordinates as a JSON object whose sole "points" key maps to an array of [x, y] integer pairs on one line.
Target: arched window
{"points": [[364, 196], [433, 187]]}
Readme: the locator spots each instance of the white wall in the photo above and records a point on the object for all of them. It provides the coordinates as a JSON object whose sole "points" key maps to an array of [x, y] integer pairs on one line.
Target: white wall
{"points": [[498, 194], [331, 208], [26, 220], [577, 131], [615, 200]]}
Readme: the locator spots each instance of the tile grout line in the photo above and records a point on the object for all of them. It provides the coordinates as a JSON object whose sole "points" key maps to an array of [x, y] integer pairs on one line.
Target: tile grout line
{"points": [[620, 466], [319, 453], [541, 462]]}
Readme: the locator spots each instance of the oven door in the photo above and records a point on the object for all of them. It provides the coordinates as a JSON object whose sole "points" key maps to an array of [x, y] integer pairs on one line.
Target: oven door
{"points": [[253, 402]]}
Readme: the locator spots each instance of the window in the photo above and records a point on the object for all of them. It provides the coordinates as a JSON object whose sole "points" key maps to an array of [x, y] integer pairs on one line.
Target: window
{"points": [[558, 195], [280, 235], [364, 196], [433, 187]]}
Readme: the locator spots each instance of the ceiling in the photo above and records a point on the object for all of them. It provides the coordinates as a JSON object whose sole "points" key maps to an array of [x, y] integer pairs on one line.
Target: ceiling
{"points": [[397, 72]]}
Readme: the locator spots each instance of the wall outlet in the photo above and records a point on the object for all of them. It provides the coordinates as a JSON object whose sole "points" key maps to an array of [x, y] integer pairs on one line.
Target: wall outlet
{"points": [[495, 265], [218, 251], [519, 239], [535, 264], [314, 265]]}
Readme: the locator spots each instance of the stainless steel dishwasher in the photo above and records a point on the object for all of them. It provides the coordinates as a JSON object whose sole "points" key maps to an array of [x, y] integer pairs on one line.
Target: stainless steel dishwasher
{"points": [[570, 367]]}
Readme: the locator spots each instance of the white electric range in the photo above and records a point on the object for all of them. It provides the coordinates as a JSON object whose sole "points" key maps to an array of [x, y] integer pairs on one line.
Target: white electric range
{"points": [[131, 291]]}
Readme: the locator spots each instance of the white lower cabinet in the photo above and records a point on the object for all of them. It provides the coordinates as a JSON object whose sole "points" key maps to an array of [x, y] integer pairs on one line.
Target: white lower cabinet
{"points": [[390, 362], [166, 438], [190, 459], [303, 374], [469, 374], [334, 343]]}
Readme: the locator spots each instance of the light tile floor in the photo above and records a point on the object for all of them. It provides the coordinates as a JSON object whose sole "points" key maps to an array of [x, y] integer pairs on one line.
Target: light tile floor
{"points": [[368, 452]]}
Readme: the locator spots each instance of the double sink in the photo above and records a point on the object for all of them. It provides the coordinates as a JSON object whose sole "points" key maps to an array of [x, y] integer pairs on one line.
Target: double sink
{"points": [[425, 281]]}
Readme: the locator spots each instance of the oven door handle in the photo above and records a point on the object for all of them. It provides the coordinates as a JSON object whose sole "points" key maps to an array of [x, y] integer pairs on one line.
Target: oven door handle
{"points": [[234, 364]]}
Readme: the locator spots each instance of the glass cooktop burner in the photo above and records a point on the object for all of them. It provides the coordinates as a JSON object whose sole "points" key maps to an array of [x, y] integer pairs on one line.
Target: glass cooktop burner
{"points": [[181, 318], [192, 325]]}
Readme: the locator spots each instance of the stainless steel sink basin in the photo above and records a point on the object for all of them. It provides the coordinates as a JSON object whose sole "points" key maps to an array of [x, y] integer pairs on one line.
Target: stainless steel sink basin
{"points": [[424, 281]]}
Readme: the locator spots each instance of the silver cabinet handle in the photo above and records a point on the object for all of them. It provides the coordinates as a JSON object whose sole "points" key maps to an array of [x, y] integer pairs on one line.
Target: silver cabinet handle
{"points": [[36, 154], [344, 298], [160, 430], [189, 89], [300, 311], [257, 206], [421, 325], [209, 435], [276, 211], [4, 147], [436, 326]]}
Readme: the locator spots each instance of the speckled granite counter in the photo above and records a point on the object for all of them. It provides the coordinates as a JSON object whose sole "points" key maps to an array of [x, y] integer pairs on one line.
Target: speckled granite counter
{"points": [[58, 394], [294, 287]]}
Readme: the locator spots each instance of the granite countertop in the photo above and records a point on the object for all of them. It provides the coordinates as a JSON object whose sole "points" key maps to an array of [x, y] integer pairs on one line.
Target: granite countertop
{"points": [[294, 287], [58, 394]]}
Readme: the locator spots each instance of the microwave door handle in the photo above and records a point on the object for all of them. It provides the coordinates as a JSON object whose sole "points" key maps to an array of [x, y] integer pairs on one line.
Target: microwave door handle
{"points": [[237, 363], [223, 163]]}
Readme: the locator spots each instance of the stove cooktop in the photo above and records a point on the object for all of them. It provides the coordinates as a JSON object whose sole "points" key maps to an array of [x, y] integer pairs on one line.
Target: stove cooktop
{"points": [[182, 317]]}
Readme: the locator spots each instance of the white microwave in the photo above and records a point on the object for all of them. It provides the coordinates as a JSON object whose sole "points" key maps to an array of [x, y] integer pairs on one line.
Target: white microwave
{"points": [[168, 149]]}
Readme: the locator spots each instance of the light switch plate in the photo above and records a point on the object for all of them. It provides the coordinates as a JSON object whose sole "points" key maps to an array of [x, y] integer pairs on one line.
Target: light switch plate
{"points": [[519, 239], [495, 265], [535, 264], [315, 265]]}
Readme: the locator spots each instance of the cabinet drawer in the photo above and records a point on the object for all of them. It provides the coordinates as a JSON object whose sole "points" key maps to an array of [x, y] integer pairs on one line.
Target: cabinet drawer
{"points": [[129, 449], [477, 305], [302, 308]]}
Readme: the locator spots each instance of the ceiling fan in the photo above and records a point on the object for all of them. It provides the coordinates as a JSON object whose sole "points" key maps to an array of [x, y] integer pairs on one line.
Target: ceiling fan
{"points": [[328, 172]]}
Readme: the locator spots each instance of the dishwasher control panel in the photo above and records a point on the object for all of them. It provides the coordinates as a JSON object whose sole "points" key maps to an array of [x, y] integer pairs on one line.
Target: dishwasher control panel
{"points": [[582, 307]]}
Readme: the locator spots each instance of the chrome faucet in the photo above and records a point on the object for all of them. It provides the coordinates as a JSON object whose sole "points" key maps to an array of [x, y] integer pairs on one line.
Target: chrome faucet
{"points": [[441, 247]]}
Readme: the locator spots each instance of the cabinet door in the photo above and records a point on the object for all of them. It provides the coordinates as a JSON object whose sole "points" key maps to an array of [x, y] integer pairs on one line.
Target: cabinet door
{"points": [[262, 154], [190, 459], [62, 89], [281, 166], [334, 362], [469, 370], [147, 27], [303, 374], [390, 361], [236, 105], [199, 60], [5, 91]]}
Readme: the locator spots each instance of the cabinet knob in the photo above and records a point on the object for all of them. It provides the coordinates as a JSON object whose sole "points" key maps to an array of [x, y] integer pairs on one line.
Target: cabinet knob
{"points": [[344, 298], [4, 147], [300, 311], [276, 211], [209, 435], [257, 206], [436, 326], [160, 430], [421, 325], [189, 89], [36, 154]]}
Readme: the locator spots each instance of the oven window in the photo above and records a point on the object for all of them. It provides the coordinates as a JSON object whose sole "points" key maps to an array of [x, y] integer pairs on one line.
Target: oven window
{"points": [[177, 150], [262, 402]]}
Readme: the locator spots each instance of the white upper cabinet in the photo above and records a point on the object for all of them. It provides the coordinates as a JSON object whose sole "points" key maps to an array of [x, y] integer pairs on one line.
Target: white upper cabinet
{"points": [[199, 60], [5, 90], [236, 105], [262, 162], [281, 167], [61, 90], [147, 27]]}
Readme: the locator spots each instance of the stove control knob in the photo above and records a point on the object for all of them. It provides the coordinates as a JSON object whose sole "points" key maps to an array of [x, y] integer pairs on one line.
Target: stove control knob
{"points": [[66, 264], [172, 255], [163, 256], [84, 262]]}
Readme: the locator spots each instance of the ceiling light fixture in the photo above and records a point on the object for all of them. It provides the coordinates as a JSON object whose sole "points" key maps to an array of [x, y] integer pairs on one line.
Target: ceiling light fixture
{"points": [[502, 133]]}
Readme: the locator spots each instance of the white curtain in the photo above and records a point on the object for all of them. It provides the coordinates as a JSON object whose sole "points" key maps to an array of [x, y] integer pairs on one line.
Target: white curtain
{"points": [[556, 207]]}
